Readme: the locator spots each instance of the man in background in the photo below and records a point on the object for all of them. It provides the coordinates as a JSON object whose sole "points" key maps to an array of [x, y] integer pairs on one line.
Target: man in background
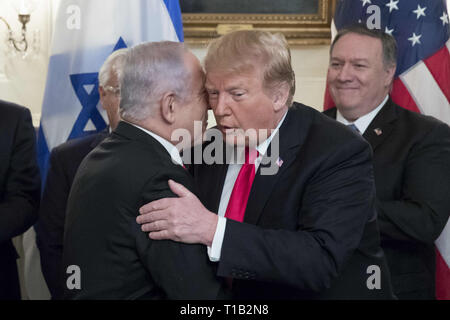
{"points": [[19, 189], [411, 156], [64, 162]]}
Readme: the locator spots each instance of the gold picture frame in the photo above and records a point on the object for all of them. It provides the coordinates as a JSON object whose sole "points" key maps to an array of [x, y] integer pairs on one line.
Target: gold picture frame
{"points": [[298, 28]]}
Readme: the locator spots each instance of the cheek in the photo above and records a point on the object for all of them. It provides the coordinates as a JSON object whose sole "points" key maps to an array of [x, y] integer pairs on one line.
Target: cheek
{"points": [[330, 77], [242, 115]]}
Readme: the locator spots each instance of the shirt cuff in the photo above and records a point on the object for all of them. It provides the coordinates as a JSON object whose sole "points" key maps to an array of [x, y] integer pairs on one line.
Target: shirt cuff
{"points": [[216, 248]]}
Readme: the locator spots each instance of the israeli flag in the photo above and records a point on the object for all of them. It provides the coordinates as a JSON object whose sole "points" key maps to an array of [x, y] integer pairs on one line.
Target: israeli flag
{"points": [[85, 34]]}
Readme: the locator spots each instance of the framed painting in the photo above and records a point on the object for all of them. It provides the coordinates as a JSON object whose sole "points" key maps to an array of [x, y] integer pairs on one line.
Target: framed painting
{"points": [[301, 21]]}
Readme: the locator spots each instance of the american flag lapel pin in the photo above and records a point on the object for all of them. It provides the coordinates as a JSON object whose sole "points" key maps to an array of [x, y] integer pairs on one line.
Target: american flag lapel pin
{"points": [[378, 131], [279, 162]]}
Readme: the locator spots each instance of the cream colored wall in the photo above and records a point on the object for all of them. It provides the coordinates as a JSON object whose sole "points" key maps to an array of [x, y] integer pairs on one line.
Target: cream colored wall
{"points": [[23, 80]]}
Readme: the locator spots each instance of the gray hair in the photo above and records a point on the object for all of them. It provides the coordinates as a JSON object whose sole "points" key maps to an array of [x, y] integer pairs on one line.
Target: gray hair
{"points": [[114, 63], [152, 69], [389, 45]]}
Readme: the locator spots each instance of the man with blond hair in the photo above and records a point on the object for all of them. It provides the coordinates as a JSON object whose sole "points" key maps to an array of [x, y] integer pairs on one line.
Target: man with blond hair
{"points": [[306, 231]]}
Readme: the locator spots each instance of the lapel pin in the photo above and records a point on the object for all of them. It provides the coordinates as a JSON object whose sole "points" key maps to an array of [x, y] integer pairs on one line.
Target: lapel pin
{"points": [[378, 131], [279, 162]]}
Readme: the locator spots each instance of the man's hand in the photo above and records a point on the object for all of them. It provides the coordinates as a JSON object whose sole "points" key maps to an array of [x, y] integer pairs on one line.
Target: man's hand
{"points": [[182, 219]]}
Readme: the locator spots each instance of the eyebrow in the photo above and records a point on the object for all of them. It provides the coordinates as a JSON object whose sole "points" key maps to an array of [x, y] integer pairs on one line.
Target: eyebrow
{"points": [[231, 88], [351, 60]]}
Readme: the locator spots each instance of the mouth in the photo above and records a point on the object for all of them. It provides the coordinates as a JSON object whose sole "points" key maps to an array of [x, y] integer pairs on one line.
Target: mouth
{"points": [[346, 88], [228, 129]]}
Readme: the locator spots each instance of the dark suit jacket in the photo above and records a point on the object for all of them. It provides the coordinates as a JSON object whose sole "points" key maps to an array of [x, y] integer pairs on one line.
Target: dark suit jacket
{"points": [[412, 177], [64, 162], [117, 260], [19, 189], [310, 231]]}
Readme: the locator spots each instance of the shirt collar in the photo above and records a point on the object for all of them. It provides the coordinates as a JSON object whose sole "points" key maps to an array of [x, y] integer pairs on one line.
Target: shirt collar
{"points": [[171, 149], [362, 122], [262, 147]]}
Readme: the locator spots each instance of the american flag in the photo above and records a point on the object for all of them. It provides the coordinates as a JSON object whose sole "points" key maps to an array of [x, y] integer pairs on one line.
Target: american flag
{"points": [[422, 80]]}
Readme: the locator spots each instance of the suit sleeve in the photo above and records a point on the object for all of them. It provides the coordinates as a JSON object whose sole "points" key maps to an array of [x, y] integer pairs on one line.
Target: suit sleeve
{"points": [[19, 206], [335, 206], [423, 210], [50, 228], [182, 271]]}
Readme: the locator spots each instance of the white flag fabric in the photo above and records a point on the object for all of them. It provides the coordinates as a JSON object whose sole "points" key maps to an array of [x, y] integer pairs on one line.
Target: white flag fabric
{"points": [[86, 33]]}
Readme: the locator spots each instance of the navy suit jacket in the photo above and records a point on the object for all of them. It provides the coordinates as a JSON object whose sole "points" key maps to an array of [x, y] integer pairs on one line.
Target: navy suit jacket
{"points": [[19, 189], [101, 236], [64, 162], [310, 231], [412, 178]]}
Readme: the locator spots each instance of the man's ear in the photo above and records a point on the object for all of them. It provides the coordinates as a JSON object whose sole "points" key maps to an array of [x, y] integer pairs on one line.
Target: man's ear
{"points": [[390, 73], [101, 92], [280, 97], [168, 107]]}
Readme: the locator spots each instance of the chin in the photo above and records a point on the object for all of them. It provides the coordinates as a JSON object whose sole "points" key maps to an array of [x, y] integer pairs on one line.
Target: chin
{"points": [[347, 105]]}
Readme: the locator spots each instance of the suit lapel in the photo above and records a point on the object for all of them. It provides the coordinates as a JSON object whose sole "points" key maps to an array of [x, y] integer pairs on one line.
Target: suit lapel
{"points": [[381, 126], [290, 136]]}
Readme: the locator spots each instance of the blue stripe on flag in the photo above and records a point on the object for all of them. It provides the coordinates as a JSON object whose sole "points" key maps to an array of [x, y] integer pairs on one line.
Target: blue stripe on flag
{"points": [[42, 155], [173, 7]]}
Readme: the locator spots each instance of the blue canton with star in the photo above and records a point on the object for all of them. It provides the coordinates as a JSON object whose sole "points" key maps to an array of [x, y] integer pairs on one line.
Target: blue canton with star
{"points": [[416, 25], [88, 100]]}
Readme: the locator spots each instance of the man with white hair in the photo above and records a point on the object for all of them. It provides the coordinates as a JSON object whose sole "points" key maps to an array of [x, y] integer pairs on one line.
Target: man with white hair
{"points": [[64, 162], [161, 91]]}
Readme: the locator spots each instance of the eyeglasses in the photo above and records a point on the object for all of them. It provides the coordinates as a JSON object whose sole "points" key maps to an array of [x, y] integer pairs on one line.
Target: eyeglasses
{"points": [[113, 90]]}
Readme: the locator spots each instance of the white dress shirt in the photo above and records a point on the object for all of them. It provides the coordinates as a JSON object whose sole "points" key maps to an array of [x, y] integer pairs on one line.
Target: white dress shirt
{"points": [[171, 149], [215, 250], [362, 122]]}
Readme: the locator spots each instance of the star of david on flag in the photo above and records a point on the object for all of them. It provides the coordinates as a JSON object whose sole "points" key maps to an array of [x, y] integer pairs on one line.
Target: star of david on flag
{"points": [[86, 33], [85, 86], [422, 80]]}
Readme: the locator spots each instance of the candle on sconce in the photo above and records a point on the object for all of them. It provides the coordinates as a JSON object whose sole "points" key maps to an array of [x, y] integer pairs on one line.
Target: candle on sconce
{"points": [[23, 8]]}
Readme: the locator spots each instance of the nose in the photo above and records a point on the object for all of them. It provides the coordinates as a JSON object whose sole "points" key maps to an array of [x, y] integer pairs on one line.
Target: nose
{"points": [[345, 73], [220, 107]]}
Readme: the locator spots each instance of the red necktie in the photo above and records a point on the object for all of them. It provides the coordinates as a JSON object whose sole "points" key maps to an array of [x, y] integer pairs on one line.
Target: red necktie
{"points": [[242, 186]]}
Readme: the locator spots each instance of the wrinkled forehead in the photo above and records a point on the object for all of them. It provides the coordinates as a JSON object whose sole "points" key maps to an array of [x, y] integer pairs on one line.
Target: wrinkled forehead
{"points": [[238, 77]]}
